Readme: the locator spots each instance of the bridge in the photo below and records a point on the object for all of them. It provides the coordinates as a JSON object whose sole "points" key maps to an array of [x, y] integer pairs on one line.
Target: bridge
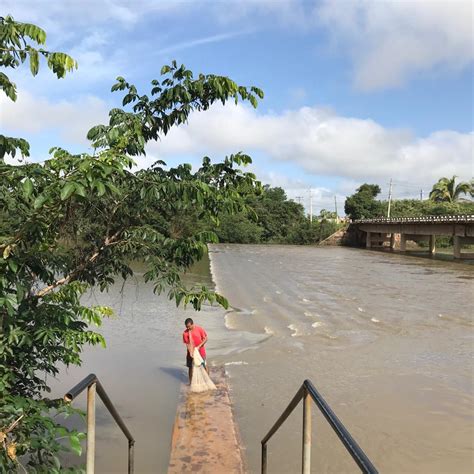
{"points": [[395, 232]]}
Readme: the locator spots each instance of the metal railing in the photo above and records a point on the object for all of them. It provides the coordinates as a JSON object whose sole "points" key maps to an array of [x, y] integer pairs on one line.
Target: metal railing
{"points": [[307, 392], [92, 384]]}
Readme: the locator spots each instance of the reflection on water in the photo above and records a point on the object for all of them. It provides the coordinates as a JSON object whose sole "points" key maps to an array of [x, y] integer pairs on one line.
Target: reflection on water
{"points": [[385, 338]]}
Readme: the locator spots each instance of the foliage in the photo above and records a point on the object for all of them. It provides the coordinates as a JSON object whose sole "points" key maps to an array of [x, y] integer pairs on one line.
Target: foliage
{"points": [[77, 221], [275, 220], [239, 228], [15, 49], [171, 101], [362, 204], [446, 190], [415, 207]]}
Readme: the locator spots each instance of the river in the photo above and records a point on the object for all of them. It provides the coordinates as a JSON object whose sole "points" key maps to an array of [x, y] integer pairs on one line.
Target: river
{"points": [[386, 339]]}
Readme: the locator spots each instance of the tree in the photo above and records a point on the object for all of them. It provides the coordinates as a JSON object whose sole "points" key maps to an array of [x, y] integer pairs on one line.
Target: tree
{"points": [[239, 228], [446, 190], [15, 49], [362, 204], [278, 216], [77, 221]]}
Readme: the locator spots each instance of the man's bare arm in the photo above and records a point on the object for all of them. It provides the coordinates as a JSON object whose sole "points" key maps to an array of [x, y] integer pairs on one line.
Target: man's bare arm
{"points": [[202, 342]]}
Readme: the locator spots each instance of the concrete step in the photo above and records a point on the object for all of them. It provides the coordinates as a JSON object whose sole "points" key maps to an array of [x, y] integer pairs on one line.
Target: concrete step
{"points": [[205, 437]]}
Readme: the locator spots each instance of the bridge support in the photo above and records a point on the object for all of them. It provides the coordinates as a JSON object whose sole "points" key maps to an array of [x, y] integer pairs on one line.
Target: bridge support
{"points": [[432, 244], [457, 246], [392, 241], [403, 242]]}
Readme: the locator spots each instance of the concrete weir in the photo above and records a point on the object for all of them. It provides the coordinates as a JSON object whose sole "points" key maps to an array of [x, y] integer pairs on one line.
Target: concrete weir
{"points": [[205, 437]]}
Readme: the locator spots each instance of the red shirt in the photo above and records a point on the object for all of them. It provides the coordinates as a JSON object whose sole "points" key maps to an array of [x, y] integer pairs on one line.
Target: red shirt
{"points": [[198, 335]]}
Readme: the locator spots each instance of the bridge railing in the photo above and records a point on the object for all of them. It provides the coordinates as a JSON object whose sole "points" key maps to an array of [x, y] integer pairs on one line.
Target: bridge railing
{"points": [[448, 219]]}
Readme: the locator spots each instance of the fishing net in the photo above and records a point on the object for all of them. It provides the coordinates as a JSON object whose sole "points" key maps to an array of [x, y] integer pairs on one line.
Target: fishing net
{"points": [[200, 382]]}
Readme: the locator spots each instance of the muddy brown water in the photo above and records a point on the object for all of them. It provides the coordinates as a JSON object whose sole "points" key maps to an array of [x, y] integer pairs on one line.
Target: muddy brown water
{"points": [[386, 339]]}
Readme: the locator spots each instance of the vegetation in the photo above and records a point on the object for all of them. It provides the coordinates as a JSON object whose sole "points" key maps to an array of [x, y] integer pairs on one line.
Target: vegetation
{"points": [[416, 207], [446, 190], [275, 219], [77, 221], [15, 48], [362, 204]]}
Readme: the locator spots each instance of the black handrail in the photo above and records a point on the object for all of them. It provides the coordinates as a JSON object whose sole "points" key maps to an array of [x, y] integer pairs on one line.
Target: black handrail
{"points": [[307, 388], [92, 381]]}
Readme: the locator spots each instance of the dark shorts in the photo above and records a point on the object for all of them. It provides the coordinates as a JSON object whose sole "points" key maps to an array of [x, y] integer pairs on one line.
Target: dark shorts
{"points": [[189, 361]]}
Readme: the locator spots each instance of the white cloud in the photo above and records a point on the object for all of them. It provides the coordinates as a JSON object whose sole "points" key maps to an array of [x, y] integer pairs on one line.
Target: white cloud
{"points": [[321, 142], [316, 141], [34, 115], [392, 41], [54, 15]]}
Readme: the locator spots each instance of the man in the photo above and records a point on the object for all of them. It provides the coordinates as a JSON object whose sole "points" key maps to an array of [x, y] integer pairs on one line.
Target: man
{"points": [[194, 337]]}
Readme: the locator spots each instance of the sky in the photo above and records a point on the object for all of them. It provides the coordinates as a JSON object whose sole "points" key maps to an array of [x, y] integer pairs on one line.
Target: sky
{"points": [[355, 90]]}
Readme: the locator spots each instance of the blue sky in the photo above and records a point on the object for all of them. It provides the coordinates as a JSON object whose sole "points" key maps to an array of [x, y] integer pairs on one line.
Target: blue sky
{"points": [[355, 91]]}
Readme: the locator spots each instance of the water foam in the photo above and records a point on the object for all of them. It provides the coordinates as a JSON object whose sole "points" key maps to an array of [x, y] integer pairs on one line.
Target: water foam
{"points": [[296, 331], [227, 323], [212, 269], [237, 362], [317, 324], [374, 320]]}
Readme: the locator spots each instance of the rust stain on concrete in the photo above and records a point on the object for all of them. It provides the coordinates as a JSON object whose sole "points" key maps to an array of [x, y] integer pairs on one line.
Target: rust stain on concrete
{"points": [[205, 438]]}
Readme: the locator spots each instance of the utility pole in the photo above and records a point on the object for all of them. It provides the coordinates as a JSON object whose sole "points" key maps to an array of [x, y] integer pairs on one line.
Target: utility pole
{"points": [[310, 205], [335, 207], [299, 198], [389, 199], [421, 194]]}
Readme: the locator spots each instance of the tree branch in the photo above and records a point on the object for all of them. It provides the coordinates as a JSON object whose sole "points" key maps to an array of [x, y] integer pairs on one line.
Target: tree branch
{"points": [[63, 281]]}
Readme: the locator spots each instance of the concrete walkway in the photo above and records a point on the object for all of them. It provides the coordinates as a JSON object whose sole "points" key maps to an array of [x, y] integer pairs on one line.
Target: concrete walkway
{"points": [[205, 438]]}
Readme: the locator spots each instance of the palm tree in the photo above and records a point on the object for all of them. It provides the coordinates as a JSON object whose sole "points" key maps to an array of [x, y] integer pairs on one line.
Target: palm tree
{"points": [[446, 190]]}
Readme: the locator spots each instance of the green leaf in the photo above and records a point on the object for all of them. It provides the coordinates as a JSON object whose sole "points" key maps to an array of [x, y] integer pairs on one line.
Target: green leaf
{"points": [[80, 189], [39, 201], [75, 444], [100, 188], [34, 61], [27, 187], [13, 265], [67, 191]]}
